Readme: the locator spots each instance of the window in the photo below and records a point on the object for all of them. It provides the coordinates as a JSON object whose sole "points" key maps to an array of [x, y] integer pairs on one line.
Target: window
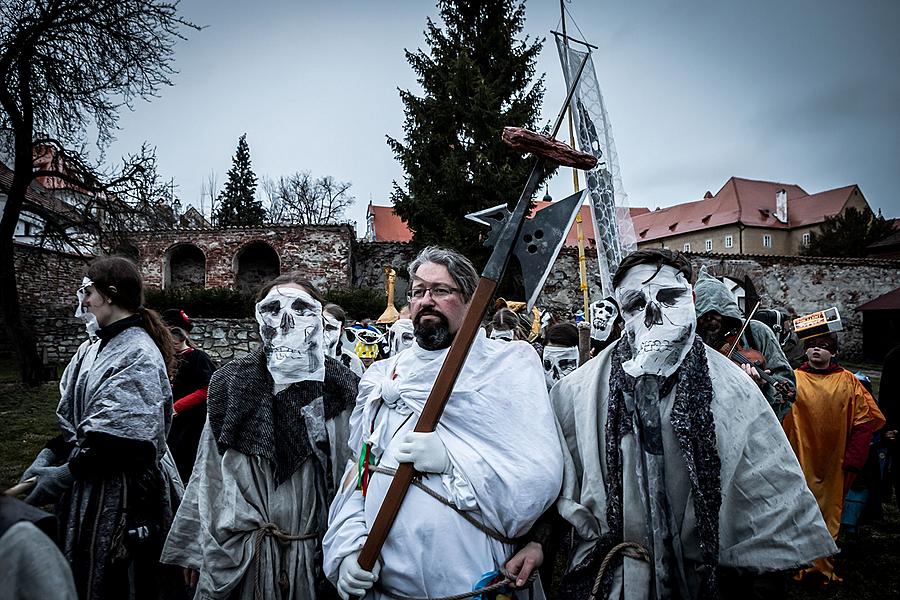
{"points": [[767, 241], [687, 247], [806, 239], [708, 245], [729, 241]]}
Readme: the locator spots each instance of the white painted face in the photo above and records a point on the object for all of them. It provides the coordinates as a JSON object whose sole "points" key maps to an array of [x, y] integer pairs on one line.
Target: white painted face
{"points": [[658, 309], [506, 335], [290, 325], [401, 336], [332, 334], [559, 361], [81, 313], [603, 317]]}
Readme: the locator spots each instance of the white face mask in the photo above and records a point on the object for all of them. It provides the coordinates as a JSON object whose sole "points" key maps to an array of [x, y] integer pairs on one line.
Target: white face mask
{"points": [[401, 336], [659, 319], [332, 334], [90, 321], [290, 325], [603, 318], [559, 361], [502, 334]]}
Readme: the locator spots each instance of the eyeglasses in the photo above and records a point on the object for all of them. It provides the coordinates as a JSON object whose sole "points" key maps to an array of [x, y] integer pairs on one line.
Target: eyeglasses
{"points": [[438, 292]]}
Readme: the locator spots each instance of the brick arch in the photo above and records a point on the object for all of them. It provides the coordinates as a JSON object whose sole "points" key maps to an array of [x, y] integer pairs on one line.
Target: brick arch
{"points": [[184, 265], [254, 263], [735, 276]]}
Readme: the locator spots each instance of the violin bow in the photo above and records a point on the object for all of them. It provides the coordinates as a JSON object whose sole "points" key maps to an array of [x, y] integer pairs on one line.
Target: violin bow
{"points": [[743, 328]]}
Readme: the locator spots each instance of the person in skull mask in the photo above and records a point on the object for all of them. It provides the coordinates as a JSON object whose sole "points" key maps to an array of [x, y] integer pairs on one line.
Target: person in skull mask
{"points": [[560, 353], [668, 451], [474, 465], [506, 326], [401, 335], [718, 315], [606, 324], [109, 472], [335, 319], [270, 459]]}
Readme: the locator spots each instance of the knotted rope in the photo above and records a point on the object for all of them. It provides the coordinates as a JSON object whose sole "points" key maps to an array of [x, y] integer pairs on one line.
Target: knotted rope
{"points": [[283, 539], [629, 549]]}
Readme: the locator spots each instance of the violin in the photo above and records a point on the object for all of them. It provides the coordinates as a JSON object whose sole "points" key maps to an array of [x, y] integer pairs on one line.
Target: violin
{"points": [[743, 355], [748, 356]]}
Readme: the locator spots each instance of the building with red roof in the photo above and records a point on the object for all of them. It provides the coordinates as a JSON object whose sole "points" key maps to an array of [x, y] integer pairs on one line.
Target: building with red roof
{"points": [[746, 216]]}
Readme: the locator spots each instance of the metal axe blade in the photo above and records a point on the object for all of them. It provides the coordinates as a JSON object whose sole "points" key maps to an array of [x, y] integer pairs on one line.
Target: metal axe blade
{"points": [[495, 217], [540, 240]]}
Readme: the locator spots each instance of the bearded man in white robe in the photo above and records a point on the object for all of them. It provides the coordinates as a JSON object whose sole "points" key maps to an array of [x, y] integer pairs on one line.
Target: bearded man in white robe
{"points": [[492, 466], [675, 468], [270, 459]]}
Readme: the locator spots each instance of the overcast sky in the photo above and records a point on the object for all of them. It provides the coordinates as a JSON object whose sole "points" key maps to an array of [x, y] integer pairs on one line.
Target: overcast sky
{"points": [[796, 91]]}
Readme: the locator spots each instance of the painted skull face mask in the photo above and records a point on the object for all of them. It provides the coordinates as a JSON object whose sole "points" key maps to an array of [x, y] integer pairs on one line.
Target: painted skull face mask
{"points": [[559, 361], [401, 336], [658, 309], [332, 334], [603, 318], [86, 317], [290, 325]]}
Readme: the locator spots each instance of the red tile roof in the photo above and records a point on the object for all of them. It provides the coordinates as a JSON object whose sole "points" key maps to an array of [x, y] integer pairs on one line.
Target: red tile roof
{"points": [[889, 301], [390, 228], [745, 201]]}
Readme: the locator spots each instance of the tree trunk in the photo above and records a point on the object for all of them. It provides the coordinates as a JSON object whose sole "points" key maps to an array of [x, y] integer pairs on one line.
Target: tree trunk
{"points": [[21, 336]]}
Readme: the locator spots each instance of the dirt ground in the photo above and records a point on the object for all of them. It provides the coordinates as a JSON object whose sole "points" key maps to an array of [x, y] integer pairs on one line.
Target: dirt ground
{"points": [[870, 565]]}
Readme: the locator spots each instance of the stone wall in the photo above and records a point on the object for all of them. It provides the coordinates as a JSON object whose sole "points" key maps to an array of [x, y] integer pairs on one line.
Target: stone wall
{"points": [[225, 339], [370, 259], [47, 282], [322, 252], [799, 284]]}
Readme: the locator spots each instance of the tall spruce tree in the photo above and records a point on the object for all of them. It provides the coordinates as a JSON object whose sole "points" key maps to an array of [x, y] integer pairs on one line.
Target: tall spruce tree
{"points": [[238, 204], [476, 78]]}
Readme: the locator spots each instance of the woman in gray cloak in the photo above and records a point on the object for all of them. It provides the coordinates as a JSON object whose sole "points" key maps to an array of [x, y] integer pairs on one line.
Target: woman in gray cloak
{"points": [[105, 470], [270, 459]]}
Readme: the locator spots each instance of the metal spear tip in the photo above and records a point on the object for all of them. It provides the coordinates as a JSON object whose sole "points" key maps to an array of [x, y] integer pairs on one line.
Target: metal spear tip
{"points": [[547, 148]]}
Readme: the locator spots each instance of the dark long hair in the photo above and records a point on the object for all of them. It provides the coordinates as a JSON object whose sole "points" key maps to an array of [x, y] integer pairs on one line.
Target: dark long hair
{"points": [[119, 280]]}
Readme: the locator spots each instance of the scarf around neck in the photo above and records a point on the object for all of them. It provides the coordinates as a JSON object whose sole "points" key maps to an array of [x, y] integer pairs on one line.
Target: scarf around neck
{"points": [[245, 414], [692, 422]]}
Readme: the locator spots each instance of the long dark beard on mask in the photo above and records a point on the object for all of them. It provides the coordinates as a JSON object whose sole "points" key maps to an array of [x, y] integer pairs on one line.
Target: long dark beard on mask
{"points": [[430, 335]]}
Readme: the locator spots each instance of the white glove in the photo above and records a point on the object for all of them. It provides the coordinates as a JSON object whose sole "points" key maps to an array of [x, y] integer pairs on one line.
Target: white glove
{"points": [[425, 451], [353, 580]]}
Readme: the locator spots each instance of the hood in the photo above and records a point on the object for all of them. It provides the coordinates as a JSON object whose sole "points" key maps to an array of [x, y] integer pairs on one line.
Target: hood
{"points": [[713, 295]]}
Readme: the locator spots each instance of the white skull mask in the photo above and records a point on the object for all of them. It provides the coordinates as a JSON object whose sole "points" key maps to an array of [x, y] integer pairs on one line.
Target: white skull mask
{"points": [[332, 333], [400, 336], [88, 318], [559, 361], [603, 318], [658, 309], [290, 325], [506, 335]]}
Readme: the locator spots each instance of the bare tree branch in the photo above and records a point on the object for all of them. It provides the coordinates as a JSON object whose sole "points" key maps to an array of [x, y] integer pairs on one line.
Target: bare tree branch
{"points": [[298, 199]]}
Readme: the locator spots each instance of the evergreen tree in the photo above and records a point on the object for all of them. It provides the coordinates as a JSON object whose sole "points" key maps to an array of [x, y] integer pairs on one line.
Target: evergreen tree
{"points": [[476, 79], [238, 204], [848, 234]]}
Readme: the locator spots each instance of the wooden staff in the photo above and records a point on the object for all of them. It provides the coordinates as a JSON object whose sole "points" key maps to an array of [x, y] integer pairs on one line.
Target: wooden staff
{"points": [[547, 151]]}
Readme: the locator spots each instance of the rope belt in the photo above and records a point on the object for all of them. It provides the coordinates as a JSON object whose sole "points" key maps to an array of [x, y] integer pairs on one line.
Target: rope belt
{"points": [[490, 532], [507, 579], [629, 549], [271, 530]]}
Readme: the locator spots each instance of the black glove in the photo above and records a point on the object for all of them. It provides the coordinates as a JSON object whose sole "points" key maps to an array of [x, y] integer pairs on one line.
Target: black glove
{"points": [[52, 482]]}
